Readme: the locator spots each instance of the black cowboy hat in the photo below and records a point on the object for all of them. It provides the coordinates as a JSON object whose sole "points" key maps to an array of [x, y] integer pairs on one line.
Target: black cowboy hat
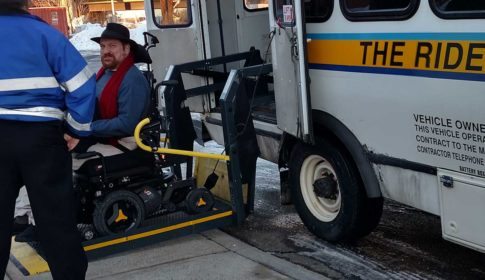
{"points": [[116, 31], [120, 32]]}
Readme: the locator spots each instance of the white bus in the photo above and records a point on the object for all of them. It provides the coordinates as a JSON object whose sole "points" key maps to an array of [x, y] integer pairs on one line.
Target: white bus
{"points": [[369, 99]]}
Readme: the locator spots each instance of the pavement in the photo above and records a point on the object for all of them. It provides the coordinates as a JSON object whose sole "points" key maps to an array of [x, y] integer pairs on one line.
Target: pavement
{"points": [[211, 254]]}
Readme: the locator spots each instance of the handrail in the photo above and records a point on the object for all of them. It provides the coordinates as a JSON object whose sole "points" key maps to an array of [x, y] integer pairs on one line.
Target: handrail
{"points": [[160, 150]]}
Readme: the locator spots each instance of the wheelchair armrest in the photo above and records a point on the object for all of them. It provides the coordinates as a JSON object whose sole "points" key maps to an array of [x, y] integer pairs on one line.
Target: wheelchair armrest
{"points": [[94, 154], [150, 134], [169, 83], [88, 155]]}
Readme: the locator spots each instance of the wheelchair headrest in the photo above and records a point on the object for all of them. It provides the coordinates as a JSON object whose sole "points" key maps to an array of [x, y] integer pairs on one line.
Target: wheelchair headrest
{"points": [[141, 55]]}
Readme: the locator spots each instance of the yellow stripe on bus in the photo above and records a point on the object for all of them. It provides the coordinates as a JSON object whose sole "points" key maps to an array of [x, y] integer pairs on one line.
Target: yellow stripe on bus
{"points": [[431, 55], [156, 231]]}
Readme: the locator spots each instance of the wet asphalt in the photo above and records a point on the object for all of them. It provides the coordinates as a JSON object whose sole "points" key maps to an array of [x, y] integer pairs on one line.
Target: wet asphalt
{"points": [[407, 243]]}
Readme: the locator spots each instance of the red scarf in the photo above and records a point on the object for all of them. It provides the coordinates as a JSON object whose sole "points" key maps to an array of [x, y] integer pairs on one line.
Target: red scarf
{"points": [[108, 101]]}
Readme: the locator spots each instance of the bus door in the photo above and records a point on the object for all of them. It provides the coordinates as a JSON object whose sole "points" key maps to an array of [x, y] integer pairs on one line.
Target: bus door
{"points": [[291, 85], [181, 28]]}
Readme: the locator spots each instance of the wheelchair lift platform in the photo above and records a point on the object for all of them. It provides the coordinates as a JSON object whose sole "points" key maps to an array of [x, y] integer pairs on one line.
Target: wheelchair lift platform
{"points": [[28, 257], [161, 228]]}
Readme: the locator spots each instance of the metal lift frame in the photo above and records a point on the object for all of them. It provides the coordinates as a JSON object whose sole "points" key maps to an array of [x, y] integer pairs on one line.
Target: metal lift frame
{"points": [[180, 224]]}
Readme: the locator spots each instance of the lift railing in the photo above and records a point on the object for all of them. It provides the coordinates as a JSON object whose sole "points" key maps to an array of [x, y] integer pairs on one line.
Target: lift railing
{"points": [[239, 134]]}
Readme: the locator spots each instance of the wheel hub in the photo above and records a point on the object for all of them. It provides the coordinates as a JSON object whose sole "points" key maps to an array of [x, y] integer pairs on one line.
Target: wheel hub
{"points": [[326, 187], [320, 188]]}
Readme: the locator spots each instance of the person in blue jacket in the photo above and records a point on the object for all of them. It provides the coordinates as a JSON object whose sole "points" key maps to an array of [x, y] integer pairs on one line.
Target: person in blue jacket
{"points": [[47, 98]]}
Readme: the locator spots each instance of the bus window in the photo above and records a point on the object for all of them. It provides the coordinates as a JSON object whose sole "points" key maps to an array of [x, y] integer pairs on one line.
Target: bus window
{"points": [[255, 5], [458, 8], [318, 10], [172, 13], [378, 9]]}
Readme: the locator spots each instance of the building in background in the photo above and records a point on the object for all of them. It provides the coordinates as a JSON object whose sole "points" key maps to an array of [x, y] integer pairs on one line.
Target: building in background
{"points": [[55, 16], [58, 13], [62, 13], [127, 12]]}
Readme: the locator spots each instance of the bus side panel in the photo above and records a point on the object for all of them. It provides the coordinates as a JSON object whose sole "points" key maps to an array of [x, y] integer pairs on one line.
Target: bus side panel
{"points": [[409, 90], [409, 187]]}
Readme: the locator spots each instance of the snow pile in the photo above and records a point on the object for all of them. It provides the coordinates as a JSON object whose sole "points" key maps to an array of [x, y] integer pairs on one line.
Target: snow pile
{"points": [[82, 40], [136, 34], [78, 24]]}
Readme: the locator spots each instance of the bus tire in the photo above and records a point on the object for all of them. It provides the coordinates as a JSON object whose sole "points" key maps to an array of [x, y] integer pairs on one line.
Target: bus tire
{"points": [[328, 194], [371, 217]]}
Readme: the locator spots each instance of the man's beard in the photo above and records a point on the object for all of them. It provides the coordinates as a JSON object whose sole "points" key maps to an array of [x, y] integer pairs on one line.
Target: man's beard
{"points": [[111, 64]]}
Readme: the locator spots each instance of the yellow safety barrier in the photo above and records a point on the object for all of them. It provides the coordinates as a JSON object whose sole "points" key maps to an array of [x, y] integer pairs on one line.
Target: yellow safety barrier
{"points": [[142, 146]]}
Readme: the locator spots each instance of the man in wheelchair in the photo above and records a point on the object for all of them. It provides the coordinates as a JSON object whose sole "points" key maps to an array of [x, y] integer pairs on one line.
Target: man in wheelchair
{"points": [[123, 100], [123, 185]]}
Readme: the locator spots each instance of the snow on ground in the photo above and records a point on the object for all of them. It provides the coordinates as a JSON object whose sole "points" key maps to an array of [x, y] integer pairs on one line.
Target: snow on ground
{"points": [[350, 264], [136, 34], [82, 39], [267, 176]]}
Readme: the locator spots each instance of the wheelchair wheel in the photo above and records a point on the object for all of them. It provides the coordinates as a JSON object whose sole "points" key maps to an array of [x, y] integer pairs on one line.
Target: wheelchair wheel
{"points": [[199, 200], [120, 212]]}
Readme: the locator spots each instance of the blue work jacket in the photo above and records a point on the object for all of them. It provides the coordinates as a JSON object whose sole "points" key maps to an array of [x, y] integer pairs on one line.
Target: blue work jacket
{"points": [[42, 76]]}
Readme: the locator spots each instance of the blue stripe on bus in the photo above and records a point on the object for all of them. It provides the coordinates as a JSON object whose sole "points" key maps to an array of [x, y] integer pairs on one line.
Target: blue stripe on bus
{"points": [[471, 36], [404, 72]]}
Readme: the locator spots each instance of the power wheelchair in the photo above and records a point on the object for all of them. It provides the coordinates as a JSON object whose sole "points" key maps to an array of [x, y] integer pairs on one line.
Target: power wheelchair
{"points": [[119, 193]]}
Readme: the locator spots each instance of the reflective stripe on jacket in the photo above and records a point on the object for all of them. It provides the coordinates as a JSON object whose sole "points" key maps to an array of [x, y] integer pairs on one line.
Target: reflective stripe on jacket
{"points": [[42, 76]]}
